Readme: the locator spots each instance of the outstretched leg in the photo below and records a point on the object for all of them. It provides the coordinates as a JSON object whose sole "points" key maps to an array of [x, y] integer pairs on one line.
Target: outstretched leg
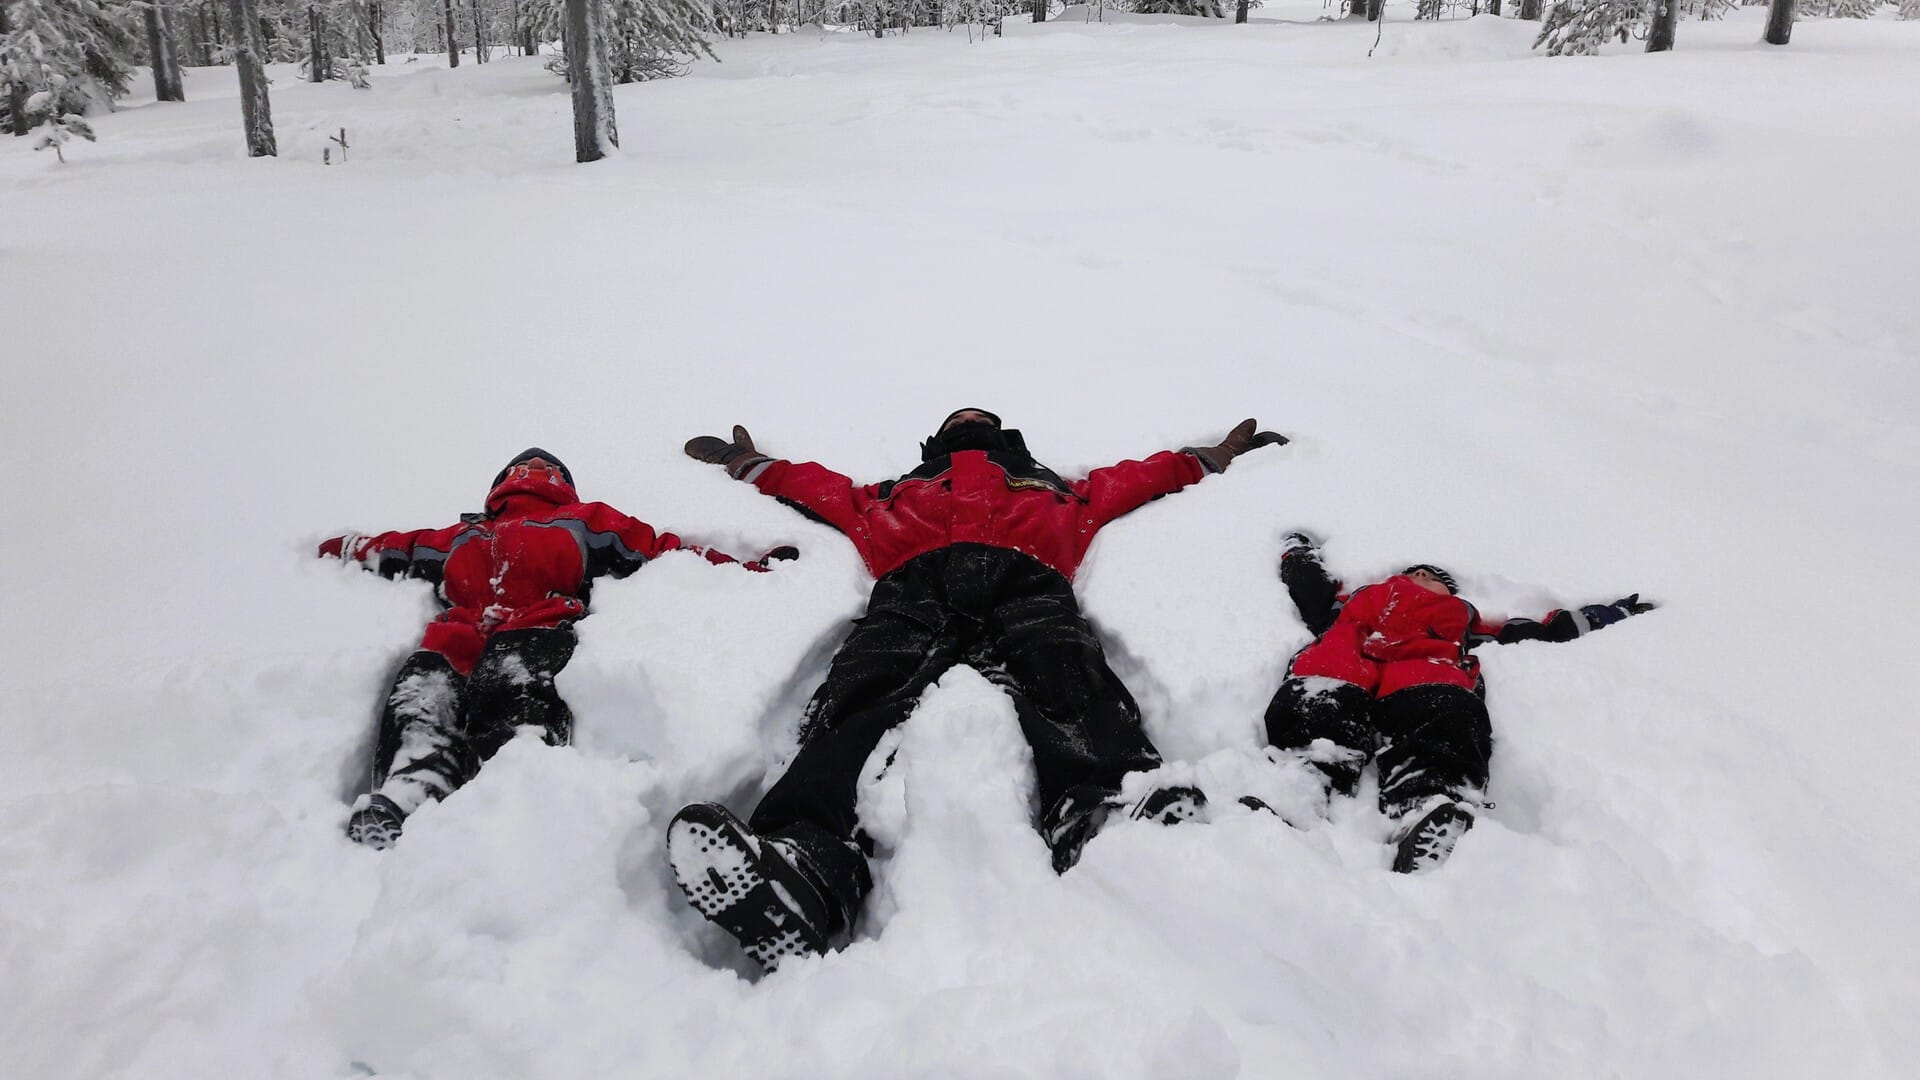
{"points": [[1310, 708], [513, 687], [1436, 740], [419, 753], [874, 682], [1080, 720]]}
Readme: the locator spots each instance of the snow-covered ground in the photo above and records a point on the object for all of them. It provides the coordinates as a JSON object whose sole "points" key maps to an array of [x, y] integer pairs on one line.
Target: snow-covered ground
{"points": [[1572, 328]]}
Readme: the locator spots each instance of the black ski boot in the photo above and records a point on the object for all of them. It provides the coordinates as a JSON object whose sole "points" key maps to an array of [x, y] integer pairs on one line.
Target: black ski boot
{"points": [[759, 890], [1080, 814], [1431, 828], [1171, 805], [377, 824]]}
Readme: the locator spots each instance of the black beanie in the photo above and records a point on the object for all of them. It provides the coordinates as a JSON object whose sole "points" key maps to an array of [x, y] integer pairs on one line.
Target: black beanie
{"points": [[969, 408], [1453, 588], [529, 454]]}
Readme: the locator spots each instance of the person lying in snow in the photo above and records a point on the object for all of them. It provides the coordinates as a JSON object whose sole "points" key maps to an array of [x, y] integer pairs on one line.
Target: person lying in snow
{"points": [[1391, 677], [974, 553], [514, 580]]}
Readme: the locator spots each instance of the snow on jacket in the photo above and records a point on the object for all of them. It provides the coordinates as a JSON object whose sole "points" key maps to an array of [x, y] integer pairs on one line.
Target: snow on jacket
{"points": [[977, 497], [526, 562]]}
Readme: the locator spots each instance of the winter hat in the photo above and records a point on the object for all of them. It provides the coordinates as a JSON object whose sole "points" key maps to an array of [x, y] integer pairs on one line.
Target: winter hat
{"points": [[1453, 587], [529, 454], [970, 408]]}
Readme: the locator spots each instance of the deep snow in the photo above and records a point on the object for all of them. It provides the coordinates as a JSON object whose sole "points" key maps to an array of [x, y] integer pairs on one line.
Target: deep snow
{"points": [[1573, 328]]}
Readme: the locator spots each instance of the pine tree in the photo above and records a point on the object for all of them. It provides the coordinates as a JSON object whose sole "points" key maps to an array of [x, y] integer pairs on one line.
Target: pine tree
{"points": [[61, 58], [1580, 27]]}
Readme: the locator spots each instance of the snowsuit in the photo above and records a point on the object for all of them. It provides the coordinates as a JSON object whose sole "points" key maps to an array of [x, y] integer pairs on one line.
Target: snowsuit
{"points": [[514, 579], [1391, 677], [974, 552]]}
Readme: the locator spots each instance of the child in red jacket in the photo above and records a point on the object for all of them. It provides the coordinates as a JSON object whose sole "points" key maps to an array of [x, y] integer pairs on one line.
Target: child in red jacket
{"points": [[1391, 677], [514, 580]]}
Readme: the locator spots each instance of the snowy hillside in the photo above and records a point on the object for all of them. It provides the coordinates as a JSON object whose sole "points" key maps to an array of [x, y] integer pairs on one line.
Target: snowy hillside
{"points": [[1570, 327]]}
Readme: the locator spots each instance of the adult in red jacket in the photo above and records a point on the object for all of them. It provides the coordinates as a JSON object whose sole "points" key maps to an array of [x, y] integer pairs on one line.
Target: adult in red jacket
{"points": [[1391, 677], [513, 580], [974, 552]]}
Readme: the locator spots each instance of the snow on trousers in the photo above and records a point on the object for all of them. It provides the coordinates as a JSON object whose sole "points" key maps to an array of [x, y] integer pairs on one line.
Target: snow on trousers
{"points": [[1005, 614], [1429, 739], [440, 726]]}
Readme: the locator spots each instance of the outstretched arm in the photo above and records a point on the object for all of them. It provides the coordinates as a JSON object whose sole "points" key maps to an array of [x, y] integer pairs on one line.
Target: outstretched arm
{"points": [[416, 553], [1563, 624], [814, 490], [1118, 489], [616, 544], [1316, 593]]}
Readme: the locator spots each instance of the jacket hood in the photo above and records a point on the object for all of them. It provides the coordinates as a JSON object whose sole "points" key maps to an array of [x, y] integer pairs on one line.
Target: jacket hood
{"points": [[527, 493]]}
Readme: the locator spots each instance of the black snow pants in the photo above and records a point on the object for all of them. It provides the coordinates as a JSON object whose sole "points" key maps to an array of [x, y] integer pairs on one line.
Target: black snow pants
{"points": [[439, 726], [1426, 740], [1007, 615]]}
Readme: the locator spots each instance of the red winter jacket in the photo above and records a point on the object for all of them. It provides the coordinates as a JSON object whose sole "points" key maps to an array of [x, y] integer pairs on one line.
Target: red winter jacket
{"points": [[525, 563], [1397, 634], [967, 498]]}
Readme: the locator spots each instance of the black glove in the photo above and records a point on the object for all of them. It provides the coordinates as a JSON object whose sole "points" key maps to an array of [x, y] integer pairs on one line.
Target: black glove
{"points": [[738, 456], [1238, 441], [1599, 615], [781, 554]]}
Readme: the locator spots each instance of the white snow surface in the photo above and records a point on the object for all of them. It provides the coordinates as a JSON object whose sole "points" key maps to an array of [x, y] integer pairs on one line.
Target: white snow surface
{"points": [[1572, 328]]}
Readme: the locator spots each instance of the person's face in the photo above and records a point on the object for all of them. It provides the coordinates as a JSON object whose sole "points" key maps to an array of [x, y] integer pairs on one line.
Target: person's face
{"points": [[967, 416], [1426, 580], [538, 468]]}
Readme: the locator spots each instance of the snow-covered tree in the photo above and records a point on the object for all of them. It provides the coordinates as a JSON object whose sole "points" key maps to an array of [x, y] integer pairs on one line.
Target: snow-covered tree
{"points": [[63, 58], [1661, 24], [1580, 27], [1910, 9]]}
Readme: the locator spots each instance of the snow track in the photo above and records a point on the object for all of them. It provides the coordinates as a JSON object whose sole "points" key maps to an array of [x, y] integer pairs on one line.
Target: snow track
{"points": [[1570, 328]]}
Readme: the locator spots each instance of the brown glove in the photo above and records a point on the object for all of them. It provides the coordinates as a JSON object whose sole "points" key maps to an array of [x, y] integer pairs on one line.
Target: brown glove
{"points": [[739, 457], [1238, 441]]}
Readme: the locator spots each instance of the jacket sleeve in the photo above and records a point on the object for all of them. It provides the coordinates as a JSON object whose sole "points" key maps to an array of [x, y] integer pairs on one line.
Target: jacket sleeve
{"points": [[1118, 489], [814, 490], [1560, 624], [617, 545], [1316, 595], [415, 553]]}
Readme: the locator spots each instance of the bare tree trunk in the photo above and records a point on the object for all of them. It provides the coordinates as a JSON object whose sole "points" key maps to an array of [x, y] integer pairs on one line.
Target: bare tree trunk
{"points": [[479, 35], [513, 9], [453, 39], [166, 70], [1240, 13], [1530, 10], [1373, 9], [587, 69], [1040, 10], [1493, 7], [1666, 13], [1779, 22], [16, 92], [373, 31], [316, 43], [255, 111]]}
